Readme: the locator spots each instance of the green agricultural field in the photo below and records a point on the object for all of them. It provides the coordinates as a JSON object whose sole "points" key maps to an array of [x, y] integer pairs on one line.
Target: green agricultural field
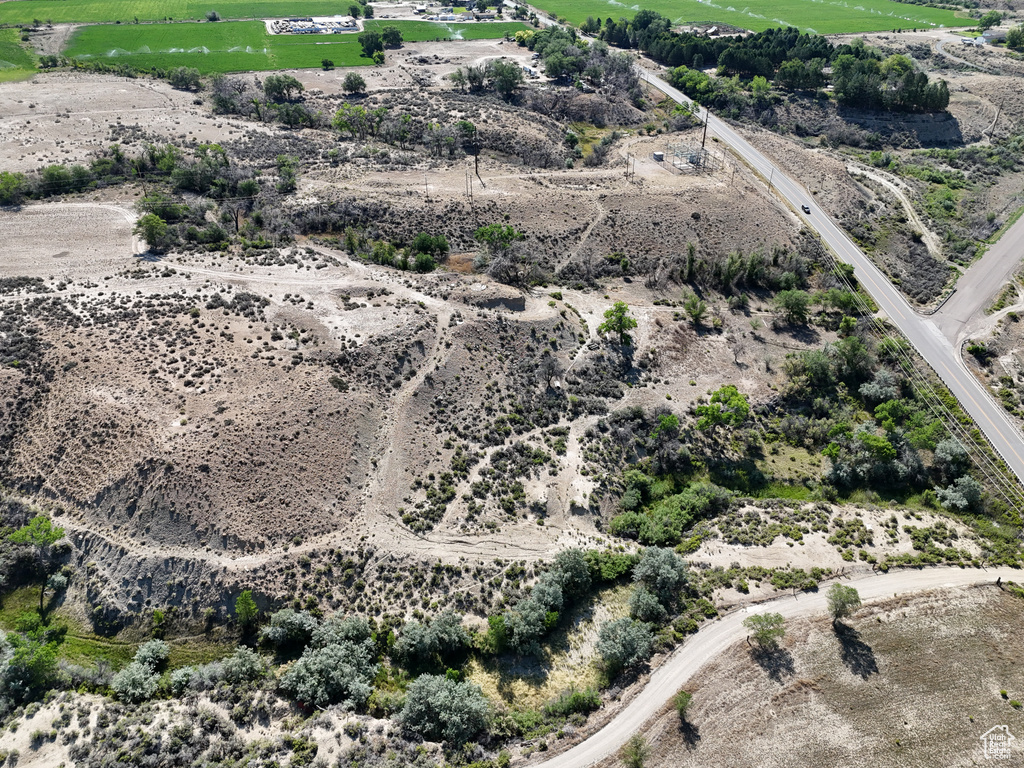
{"points": [[24, 11], [416, 31], [16, 63], [245, 45], [825, 17]]}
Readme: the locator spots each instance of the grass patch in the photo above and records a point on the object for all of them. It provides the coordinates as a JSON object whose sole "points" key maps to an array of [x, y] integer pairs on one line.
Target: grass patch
{"points": [[197, 650], [1006, 298], [17, 602], [242, 46], [1010, 221], [777, 490], [528, 684], [16, 63], [825, 18], [80, 646]]}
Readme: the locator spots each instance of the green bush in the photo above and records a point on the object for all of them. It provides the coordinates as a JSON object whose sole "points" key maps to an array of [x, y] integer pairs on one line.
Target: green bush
{"points": [[135, 683], [437, 708]]}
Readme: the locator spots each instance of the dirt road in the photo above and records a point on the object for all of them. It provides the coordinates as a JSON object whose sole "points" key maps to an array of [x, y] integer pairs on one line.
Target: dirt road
{"points": [[716, 638]]}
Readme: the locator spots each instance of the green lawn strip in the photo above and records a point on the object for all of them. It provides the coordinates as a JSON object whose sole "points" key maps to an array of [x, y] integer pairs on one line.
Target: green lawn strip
{"points": [[16, 63], [826, 18]]}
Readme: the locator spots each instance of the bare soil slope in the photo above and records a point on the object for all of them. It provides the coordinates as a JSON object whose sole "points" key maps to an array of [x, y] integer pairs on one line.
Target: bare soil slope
{"points": [[888, 688]]}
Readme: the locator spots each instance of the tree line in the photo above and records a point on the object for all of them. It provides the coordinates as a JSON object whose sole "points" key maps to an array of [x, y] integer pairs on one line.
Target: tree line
{"points": [[793, 60]]}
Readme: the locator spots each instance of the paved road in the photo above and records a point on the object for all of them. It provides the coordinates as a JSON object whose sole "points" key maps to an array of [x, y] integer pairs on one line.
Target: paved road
{"points": [[922, 332], [977, 287], [715, 638]]}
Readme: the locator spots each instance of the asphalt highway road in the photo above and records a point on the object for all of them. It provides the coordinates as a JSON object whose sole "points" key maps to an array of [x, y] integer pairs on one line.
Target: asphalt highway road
{"points": [[977, 287], [716, 637], [920, 331]]}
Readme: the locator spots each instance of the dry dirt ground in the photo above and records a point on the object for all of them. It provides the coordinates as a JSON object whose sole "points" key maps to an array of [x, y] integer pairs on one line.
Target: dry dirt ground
{"points": [[887, 688], [206, 423], [64, 117], [200, 415]]}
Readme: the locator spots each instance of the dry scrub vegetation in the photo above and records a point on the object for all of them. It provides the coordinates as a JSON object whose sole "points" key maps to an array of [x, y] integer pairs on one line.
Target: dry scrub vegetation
{"points": [[359, 370]]}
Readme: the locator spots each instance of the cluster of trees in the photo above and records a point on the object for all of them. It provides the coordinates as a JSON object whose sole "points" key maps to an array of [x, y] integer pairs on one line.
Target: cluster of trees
{"points": [[1015, 37], [439, 139], [503, 77], [662, 579], [275, 98], [892, 84], [373, 42], [794, 60], [656, 516], [166, 222], [422, 254], [779, 270], [521, 629], [28, 656], [568, 58]]}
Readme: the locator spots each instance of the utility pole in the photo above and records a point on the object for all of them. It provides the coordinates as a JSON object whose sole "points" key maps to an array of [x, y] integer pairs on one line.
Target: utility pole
{"points": [[707, 119]]}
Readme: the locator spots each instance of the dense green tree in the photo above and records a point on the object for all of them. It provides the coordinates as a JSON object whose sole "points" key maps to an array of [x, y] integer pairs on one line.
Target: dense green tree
{"points": [[282, 87], [663, 572], [624, 643], [153, 230], [441, 709], [574, 572], [728, 406], [962, 495], [644, 606], [28, 665], [507, 77], [245, 610], [391, 36], [793, 304], [185, 78], [335, 674], [371, 42], [13, 188], [617, 320], [40, 534], [767, 629], [989, 20], [289, 631], [842, 601], [354, 83], [1015, 37]]}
